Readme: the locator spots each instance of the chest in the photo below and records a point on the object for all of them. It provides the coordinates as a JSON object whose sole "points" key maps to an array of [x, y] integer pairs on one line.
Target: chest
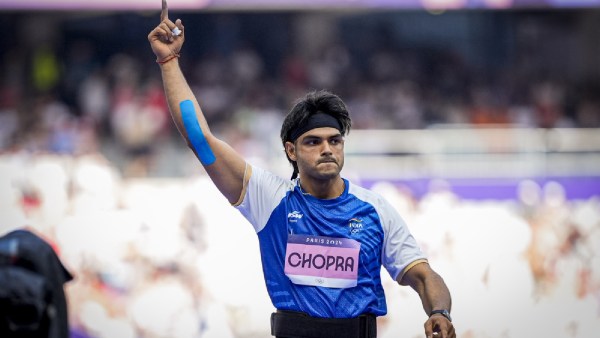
{"points": [[350, 219]]}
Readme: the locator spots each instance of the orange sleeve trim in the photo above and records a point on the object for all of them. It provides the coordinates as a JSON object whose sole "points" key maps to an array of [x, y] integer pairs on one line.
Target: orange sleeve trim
{"points": [[410, 266]]}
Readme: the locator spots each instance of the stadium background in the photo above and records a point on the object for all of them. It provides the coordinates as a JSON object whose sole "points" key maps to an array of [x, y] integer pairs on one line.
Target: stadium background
{"points": [[479, 123]]}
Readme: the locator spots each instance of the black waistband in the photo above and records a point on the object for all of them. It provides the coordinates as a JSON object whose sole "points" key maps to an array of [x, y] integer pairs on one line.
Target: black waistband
{"points": [[291, 324]]}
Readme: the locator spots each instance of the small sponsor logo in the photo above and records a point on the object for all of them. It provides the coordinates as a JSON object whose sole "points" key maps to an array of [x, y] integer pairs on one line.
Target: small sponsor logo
{"points": [[294, 216]]}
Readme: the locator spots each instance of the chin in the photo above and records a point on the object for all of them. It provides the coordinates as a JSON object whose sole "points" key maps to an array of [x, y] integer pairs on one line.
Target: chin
{"points": [[329, 174]]}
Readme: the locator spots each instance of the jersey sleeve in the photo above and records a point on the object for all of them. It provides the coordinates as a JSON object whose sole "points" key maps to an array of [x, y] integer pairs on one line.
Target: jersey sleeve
{"points": [[400, 249], [263, 193]]}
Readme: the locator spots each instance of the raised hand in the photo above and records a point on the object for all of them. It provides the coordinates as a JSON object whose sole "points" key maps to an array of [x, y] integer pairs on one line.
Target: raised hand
{"points": [[167, 38]]}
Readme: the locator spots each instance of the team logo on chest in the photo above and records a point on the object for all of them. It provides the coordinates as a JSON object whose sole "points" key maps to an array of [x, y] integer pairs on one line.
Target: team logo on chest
{"points": [[355, 225]]}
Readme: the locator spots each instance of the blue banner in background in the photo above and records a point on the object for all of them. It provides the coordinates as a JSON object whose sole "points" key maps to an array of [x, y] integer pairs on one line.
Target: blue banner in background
{"points": [[573, 188]]}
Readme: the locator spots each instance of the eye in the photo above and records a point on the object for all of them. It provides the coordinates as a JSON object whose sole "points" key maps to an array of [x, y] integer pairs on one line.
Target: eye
{"points": [[312, 141], [336, 140]]}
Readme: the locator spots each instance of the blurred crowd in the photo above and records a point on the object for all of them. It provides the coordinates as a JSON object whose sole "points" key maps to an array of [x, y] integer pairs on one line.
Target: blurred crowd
{"points": [[63, 92], [171, 258], [83, 121]]}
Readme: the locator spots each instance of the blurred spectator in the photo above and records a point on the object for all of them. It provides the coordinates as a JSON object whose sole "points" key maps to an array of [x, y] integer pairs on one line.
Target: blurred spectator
{"points": [[549, 105], [45, 69], [9, 117], [137, 126], [94, 100]]}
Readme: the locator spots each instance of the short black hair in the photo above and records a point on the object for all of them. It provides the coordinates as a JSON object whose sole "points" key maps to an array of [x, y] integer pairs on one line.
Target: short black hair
{"points": [[313, 102]]}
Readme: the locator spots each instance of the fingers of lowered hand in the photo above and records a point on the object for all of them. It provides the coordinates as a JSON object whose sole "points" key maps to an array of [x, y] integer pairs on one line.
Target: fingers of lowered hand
{"points": [[444, 332], [441, 328], [429, 328]]}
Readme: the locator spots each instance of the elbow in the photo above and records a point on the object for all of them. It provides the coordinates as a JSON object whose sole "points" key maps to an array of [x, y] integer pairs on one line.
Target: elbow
{"points": [[202, 149]]}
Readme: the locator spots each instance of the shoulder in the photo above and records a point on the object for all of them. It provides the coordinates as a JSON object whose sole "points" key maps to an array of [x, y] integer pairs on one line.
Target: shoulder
{"points": [[262, 194], [368, 196], [263, 187], [266, 178], [390, 218]]}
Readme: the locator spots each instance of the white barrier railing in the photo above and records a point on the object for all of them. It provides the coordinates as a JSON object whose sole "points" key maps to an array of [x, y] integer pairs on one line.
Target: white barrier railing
{"points": [[473, 152]]}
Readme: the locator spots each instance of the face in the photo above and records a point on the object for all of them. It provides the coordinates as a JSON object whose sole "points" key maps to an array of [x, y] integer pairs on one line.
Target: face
{"points": [[319, 153]]}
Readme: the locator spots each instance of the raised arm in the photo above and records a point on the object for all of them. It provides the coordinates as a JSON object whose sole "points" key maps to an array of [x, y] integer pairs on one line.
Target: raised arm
{"points": [[224, 165], [434, 295]]}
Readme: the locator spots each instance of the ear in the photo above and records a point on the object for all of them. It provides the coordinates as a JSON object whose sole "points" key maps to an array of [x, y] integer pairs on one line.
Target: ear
{"points": [[290, 150]]}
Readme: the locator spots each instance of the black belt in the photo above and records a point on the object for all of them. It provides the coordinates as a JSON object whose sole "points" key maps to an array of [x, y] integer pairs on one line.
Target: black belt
{"points": [[291, 324]]}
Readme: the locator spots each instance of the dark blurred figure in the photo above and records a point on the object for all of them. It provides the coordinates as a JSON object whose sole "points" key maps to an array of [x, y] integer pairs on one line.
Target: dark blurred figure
{"points": [[32, 298]]}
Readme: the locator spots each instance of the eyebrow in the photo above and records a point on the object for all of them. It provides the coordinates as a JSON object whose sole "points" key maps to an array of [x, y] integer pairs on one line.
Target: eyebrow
{"points": [[312, 136]]}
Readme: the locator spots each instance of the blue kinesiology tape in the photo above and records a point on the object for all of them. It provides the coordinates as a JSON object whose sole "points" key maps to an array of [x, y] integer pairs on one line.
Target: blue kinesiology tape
{"points": [[194, 133]]}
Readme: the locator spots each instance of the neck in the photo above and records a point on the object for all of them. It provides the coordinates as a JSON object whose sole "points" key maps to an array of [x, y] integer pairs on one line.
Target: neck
{"points": [[327, 189]]}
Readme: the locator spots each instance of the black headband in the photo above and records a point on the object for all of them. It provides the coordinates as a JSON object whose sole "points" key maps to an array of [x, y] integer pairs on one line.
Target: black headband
{"points": [[317, 120]]}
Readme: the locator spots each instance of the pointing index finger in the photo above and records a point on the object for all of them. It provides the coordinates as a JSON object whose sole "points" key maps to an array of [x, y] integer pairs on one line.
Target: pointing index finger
{"points": [[164, 14]]}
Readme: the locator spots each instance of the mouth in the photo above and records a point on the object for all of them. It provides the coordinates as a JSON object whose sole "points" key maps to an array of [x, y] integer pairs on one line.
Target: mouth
{"points": [[327, 161]]}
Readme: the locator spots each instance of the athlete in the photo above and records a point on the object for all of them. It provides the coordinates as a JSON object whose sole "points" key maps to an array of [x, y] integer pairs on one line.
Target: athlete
{"points": [[322, 239]]}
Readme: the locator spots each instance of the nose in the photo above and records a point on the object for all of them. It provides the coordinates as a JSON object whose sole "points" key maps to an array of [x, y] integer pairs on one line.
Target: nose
{"points": [[326, 149]]}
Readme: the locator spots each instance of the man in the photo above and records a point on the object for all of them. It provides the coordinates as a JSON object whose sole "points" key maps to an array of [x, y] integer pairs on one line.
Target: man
{"points": [[322, 239]]}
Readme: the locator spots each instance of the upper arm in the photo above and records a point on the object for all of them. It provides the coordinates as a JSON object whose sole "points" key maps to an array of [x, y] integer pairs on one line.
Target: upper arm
{"points": [[228, 171], [400, 249], [415, 274], [262, 194]]}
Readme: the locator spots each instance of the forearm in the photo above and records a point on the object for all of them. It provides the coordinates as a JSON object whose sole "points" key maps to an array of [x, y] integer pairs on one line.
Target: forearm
{"points": [[434, 294], [177, 90], [224, 166], [429, 285]]}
